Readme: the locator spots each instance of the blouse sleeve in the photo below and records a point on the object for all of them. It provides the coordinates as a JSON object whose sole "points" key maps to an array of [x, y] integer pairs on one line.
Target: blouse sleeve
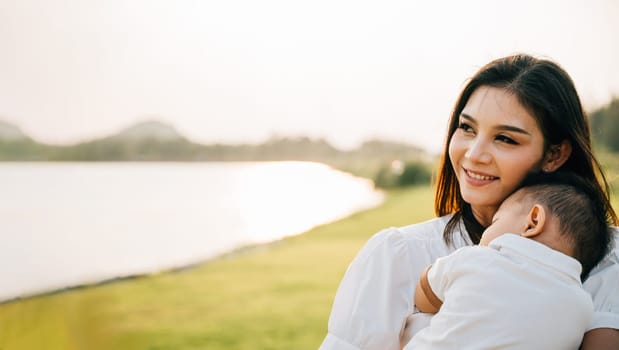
{"points": [[374, 297], [438, 275], [603, 285], [445, 269]]}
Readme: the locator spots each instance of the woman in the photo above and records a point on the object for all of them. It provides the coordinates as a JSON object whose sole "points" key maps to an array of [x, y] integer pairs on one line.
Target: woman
{"points": [[518, 114]]}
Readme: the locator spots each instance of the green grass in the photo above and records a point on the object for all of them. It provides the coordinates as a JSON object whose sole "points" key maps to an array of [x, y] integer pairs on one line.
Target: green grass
{"points": [[273, 296]]}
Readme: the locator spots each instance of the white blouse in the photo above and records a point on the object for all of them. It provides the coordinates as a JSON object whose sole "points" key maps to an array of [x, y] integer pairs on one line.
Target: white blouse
{"points": [[373, 306]]}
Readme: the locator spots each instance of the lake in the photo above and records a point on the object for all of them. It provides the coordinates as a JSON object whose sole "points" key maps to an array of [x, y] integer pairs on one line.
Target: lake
{"points": [[67, 224]]}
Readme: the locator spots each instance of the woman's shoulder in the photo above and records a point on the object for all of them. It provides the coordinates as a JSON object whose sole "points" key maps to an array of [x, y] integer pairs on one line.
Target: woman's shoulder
{"points": [[612, 258], [426, 231], [432, 232], [421, 238]]}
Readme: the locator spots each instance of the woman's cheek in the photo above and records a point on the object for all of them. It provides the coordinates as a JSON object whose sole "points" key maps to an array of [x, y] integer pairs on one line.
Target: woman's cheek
{"points": [[456, 150]]}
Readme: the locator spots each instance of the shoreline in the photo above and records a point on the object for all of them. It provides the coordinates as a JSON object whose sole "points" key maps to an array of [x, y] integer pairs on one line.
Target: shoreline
{"points": [[241, 250]]}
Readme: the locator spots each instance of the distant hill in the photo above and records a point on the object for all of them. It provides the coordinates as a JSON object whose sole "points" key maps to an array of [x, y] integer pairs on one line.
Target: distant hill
{"points": [[10, 132], [151, 129], [15, 145]]}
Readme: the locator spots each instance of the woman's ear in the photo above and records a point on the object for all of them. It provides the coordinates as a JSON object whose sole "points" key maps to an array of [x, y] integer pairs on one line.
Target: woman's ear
{"points": [[556, 156], [536, 219]]}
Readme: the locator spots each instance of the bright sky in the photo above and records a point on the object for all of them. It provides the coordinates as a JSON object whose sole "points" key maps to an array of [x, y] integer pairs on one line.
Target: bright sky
{"points": [[245, 70]]}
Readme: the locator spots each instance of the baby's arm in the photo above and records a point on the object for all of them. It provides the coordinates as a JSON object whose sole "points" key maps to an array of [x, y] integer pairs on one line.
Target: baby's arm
{"points": [[425, 299]]}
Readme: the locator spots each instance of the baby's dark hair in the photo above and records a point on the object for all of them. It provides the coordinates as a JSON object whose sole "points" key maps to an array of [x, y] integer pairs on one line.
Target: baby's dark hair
{"points": [[582, 213]]}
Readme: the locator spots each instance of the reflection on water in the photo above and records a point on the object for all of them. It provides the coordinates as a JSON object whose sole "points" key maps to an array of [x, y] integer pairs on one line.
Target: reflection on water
{"points": [[285, 198], [71, 223]]}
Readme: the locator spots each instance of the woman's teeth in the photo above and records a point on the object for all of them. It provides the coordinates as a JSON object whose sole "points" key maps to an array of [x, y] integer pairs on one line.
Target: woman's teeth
{"points": [[478, 176]]}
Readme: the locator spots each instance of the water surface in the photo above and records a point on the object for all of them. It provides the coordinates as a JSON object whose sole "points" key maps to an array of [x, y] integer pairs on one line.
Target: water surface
{"points": [[65, 224]]}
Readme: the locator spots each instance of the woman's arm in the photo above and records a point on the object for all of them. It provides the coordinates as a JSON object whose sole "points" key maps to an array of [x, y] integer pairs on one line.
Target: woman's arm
{"points": [[601, 339], [374, 297]]}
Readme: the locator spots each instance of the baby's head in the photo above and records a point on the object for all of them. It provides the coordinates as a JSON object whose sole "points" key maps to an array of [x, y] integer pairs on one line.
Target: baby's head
{"points": [[560, 210]]}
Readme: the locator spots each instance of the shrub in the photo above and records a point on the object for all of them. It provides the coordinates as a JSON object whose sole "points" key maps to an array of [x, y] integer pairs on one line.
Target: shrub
{"points": [[398, 174], [414, 174]]}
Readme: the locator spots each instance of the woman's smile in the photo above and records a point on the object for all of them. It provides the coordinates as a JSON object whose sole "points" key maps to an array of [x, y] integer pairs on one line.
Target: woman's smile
{"points": [[478, 178]]}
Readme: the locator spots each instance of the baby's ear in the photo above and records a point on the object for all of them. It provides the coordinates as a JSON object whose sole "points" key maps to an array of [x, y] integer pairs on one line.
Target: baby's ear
{"points": [[536, 219]]}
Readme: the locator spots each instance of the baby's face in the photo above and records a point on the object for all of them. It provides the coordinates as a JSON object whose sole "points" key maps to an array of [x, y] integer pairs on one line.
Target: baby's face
{"points": [[510, 218]]}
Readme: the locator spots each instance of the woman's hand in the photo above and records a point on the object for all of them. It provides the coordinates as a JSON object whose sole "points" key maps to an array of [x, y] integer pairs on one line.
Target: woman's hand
{"points": [[601, 339]]}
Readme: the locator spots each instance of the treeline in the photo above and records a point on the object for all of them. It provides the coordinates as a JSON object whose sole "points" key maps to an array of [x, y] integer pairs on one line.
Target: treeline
{"points": [[154, 141], [181, 149], [605, 127]]}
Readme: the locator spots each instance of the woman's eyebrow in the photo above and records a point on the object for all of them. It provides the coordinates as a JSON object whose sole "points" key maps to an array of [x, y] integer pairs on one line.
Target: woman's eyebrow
{"points": [[498, 127], [468, 117]]}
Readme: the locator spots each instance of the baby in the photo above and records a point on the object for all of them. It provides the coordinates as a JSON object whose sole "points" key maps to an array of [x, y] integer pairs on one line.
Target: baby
{"points": [[521, 287]]}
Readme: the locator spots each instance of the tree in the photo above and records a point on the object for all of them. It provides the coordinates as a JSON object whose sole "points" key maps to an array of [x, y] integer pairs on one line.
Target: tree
{"points": [[605, 126]]}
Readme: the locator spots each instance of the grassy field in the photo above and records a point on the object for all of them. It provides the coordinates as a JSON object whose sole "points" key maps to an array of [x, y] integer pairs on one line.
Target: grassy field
{"points": [[274, 296]]}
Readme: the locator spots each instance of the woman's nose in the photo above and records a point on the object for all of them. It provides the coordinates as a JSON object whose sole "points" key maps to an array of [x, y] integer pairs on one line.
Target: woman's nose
{"points": [[478, 151]]}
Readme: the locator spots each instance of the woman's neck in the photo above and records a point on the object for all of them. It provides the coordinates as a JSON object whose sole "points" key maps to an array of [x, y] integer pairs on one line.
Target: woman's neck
{"points": [[484, 214]]}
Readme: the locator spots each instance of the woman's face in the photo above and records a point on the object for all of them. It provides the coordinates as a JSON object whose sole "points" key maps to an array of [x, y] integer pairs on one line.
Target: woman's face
{"points": [[496, 144]]}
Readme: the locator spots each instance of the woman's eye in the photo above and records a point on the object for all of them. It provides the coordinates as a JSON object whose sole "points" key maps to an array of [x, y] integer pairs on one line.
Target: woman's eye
{"points": [[509, 140], [465, 127]]}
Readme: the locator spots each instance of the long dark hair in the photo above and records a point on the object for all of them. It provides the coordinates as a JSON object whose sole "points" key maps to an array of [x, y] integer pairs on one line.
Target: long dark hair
{"points": [[548, 92]]}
